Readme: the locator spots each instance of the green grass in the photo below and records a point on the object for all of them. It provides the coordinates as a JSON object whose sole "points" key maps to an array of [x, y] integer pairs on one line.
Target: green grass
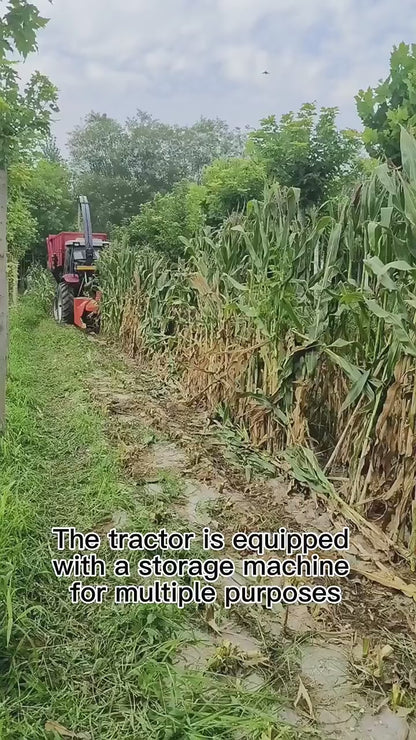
{"points": [[106, 671]]}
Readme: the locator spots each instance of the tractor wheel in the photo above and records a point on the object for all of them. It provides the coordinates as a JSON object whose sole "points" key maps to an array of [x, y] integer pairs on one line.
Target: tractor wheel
{"points": [[63, 307]]}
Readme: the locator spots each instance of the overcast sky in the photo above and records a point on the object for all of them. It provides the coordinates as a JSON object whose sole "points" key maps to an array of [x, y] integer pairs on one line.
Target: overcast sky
{"points": [[180, 59]]}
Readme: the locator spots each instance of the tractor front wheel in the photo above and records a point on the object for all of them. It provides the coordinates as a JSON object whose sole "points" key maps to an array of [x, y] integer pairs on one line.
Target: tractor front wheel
{"points": [[63, 307]]}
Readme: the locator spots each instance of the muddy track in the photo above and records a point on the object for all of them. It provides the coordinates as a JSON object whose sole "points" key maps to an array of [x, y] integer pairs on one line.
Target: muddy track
{"points": [[346, 658]]}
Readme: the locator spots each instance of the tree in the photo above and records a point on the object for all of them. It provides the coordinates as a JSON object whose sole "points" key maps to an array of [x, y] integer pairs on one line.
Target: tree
{"points": [[49, 149], [208, 140], [40, 202], [390, 105], [113, 199], [51, 202], [101, 157], [23, 114], [163, 221], [306, 150], [229, 184], [21, 224], [99, 147], [121, 166]]}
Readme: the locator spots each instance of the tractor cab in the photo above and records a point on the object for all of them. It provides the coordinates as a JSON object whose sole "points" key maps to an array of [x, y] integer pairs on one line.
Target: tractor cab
{"points": [[82, 258]]}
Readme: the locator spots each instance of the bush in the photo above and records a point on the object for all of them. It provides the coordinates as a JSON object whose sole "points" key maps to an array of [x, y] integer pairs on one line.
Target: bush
{"points": [[229, 185], [163, 221]]}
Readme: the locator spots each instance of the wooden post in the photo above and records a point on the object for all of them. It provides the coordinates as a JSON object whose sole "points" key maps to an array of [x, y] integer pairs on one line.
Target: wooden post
{"points": [[4, 322]]}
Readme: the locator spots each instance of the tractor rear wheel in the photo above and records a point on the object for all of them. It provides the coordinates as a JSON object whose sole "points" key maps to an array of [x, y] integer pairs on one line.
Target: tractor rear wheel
{"points": [[63, 307]]}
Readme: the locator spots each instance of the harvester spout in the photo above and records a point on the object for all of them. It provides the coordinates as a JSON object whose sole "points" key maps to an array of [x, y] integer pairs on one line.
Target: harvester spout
{"points": [[84, 221]]}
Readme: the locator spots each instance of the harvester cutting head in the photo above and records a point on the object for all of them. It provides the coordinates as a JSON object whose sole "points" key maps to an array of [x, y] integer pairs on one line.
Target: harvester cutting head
{"points": [[72, 259]]}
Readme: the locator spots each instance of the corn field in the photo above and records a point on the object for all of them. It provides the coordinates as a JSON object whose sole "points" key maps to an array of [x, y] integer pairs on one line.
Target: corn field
{"points": [[301, 328]]}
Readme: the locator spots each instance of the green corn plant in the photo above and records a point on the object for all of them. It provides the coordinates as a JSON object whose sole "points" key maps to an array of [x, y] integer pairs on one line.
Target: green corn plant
{"points": [[303, 324]]}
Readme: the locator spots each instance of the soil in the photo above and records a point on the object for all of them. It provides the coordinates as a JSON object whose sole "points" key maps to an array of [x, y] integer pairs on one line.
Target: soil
{"points": [[342, 670]]}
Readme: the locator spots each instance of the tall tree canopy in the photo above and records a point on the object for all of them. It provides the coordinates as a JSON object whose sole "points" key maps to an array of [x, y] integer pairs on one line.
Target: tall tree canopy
{"points": [[120, 166], [306, 150], [391, 104]]}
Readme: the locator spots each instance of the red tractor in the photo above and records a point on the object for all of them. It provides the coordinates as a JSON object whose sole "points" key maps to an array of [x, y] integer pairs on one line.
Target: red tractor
{"points": [[72, 258]]}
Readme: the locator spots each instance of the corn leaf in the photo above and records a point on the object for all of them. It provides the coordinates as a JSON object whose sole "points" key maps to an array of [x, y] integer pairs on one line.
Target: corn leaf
{"points": [[408, 152], [382, 172], [357, 390]]}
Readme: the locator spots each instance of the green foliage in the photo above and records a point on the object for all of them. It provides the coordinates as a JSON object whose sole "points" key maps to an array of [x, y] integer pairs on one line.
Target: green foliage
{"points": [[24, 116], [390, 105], [229, 184], [99, 146], [19, 26], [163, 155], [113, 199], [120, 167], [51, 202], [49, 149], [205, 141], [163, 221], [24, 113], [21, 225], [306, 150], [40, 203]]}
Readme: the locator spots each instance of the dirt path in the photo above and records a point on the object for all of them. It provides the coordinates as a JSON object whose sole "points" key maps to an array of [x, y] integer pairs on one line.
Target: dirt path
{"points": [[349, 667]]}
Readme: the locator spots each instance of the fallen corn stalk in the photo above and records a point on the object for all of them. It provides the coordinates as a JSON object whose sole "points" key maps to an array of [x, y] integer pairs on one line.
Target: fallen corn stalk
{"points": [[304, 467], [385, 577]]}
